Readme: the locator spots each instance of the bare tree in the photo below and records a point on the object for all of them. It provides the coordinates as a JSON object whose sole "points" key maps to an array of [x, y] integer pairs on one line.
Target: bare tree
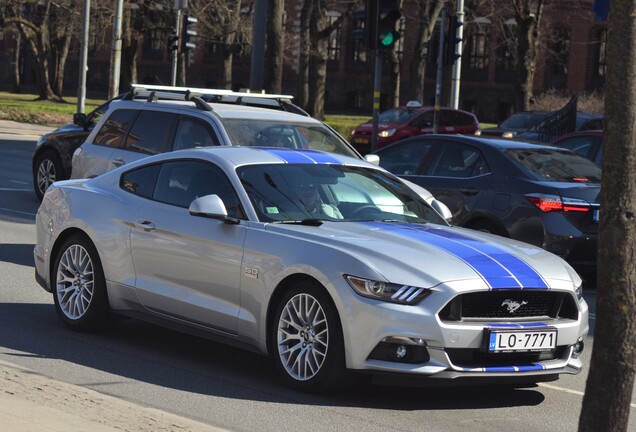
{"points": [[314, 44], [31, 19], [220, 27], [275, 46], [428, 12], [606, 404]]}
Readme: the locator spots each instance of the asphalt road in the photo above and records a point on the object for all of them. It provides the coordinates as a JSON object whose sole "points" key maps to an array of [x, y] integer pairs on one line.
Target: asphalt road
{"points": [[223, 386]]}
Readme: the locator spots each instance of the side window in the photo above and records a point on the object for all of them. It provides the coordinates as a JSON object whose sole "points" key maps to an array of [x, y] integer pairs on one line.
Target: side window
{"points": [[456, 160], [114, 128], [150, 132], [182, 182], [193, 133], [424, 120], [141, 181], [464, 119], [404, 159]]}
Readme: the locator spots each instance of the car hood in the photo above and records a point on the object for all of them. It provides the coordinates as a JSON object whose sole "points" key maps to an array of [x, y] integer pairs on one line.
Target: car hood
{"points": [[428, 255]]}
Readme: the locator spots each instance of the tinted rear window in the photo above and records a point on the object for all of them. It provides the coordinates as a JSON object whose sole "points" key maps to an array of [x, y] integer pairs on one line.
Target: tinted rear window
{"points": [[523, 120], [397, 115], [556, 165]]}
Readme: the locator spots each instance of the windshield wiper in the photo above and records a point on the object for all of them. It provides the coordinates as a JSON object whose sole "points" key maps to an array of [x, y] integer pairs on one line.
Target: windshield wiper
{"points": [[309, 222]]}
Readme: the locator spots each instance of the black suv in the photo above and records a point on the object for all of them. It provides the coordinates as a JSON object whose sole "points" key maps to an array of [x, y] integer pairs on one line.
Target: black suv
{"points": [[53, 152]]}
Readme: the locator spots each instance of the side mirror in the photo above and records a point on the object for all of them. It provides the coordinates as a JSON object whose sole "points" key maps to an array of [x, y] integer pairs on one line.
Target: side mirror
{"points": [[79, 119], [211, 206], [442, 209], [372, 159]]}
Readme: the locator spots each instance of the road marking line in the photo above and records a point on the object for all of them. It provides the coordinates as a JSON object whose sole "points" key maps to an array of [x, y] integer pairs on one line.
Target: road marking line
{"points": [[576, 392], [14, 190], [19, 182]]}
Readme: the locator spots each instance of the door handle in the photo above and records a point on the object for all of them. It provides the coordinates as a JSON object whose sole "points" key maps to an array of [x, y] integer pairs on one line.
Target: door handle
{"points": [[144, 225], [119, 162], [469, 191]]}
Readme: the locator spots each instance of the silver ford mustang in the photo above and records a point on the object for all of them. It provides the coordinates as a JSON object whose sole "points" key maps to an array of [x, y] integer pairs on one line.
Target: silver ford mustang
{"points": [[326, 263]]}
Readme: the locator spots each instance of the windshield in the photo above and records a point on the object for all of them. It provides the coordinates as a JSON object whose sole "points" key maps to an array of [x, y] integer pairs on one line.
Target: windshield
{"points": [[397, 115], [556, 165], [522, 121], [298, 192], [249, 132]]}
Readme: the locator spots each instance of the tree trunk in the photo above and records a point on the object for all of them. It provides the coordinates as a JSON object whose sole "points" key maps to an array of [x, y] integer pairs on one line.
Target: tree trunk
{"points": [[61, 54], [528, 21], [40, 48], [394, 82], [274, 50], [17, 57], [428, 14], [606, 404], [230, 39], [303, 60]]}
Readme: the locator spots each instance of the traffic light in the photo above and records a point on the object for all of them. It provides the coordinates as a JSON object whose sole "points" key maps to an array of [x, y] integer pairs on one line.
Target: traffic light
{"points": [[453, 48], [388, 14], [173, 42], [188, 33]]}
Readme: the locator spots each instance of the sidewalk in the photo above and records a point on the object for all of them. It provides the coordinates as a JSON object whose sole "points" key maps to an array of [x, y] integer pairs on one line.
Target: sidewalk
{"points": [[30, 402], [14, 130]]}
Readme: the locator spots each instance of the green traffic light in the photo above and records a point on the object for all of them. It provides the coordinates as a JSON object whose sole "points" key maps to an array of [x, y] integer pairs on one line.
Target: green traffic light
{"points": [[387, 40]]}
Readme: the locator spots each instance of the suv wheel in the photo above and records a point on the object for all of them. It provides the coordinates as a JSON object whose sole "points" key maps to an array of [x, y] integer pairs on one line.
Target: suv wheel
{"points": [[47, 169]]}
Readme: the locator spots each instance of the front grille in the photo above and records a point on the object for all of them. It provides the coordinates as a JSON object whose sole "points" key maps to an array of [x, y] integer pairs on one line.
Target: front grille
{"points": [[510, 304], [470, 358]]}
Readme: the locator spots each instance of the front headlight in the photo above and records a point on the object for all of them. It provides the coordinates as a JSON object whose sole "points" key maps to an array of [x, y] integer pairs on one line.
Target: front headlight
{"points": [[386, 133], [579, 292], [390, 292]]}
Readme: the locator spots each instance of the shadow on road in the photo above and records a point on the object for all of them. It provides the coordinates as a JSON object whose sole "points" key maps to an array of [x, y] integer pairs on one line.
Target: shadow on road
{"points": [[20, 254], [139, 351]]}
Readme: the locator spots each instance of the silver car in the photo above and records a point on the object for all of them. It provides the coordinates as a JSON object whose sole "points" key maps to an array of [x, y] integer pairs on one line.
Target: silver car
{"points": [[328, 264]]}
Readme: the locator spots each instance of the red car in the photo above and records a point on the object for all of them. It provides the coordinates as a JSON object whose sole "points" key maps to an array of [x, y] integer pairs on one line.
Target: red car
{"points": [[410, 120]]}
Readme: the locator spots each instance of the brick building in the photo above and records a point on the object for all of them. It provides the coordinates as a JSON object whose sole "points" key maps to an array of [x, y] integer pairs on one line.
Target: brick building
{"points": [[571, 59]]}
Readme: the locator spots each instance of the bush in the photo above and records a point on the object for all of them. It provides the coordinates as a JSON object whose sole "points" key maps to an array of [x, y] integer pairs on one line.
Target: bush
{"points": [[553, 100]]}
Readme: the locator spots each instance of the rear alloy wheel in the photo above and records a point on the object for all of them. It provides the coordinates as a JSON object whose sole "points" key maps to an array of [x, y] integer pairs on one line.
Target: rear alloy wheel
{"points": [[48, 169], [79, 289], [307, 341]]}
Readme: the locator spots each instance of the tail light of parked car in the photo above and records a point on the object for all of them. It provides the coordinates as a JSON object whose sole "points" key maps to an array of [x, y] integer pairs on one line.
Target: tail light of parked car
{"points": [[548, 203]]}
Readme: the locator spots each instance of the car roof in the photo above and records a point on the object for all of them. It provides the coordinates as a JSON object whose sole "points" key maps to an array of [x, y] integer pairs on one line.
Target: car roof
{"points": [[238, 156], [224, 111]]}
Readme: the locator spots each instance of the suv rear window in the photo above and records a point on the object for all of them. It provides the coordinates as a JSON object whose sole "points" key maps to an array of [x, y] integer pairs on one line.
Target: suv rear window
{"points": [[556, 165]]}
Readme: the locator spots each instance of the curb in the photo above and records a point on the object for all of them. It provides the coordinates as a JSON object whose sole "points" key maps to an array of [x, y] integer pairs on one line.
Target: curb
{"points": [[32, 402]]}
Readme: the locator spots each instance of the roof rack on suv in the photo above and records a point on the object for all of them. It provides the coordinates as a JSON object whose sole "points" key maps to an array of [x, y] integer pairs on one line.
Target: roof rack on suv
{"points": [[263, 100]]}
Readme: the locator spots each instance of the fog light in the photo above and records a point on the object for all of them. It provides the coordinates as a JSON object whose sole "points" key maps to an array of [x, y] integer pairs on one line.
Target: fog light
{"points": [[400, 352], [578, 348]]}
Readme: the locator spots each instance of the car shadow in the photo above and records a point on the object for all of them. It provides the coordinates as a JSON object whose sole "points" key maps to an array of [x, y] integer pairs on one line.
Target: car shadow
{"points": [[135, 350], [20, 254]]}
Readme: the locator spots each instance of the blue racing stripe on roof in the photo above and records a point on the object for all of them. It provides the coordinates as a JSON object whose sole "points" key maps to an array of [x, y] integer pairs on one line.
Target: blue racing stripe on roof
{"points": [[304, 156], [496, 267]]}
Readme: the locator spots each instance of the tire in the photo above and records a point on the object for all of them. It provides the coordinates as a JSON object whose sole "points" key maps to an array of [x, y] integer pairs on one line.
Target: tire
{"points": [[307, 342], [47, 170], [79, 287]]}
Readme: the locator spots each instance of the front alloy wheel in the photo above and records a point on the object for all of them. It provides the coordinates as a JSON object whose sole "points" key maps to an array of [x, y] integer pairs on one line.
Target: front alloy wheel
{"points": [[303, 337], [79, 289], [307, 341]]}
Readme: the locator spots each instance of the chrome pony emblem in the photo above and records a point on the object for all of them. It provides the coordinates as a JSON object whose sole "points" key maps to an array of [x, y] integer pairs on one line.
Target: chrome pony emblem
{"points": [[513, 305]]}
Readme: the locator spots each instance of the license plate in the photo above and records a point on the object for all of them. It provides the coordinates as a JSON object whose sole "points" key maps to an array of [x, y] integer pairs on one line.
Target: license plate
{"points": [[521, 341], [362, 141], [595, 215]]}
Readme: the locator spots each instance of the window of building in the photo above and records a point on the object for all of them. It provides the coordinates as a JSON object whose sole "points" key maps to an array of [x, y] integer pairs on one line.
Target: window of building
{"points": [[478, 49], [601, 59], [359, 50], [333, 44], [507, 44]]}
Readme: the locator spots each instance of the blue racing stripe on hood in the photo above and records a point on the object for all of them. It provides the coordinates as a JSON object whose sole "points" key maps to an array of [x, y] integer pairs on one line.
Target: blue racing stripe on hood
{"points": [[303, 156], [498, 268]]}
